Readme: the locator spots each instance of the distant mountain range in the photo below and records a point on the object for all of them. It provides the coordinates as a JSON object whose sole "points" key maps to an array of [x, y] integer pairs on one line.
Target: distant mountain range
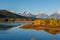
{"points": [[42, 15], [27, 14], [12, 14], [56, 14]]}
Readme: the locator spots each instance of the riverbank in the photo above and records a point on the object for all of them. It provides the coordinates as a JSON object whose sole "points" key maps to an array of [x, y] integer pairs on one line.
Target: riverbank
{"points": [[39, 27]]}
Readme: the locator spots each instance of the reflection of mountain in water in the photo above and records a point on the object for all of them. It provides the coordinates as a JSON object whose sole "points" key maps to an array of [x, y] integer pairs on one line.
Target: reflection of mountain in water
{"points": [[4, 27]]}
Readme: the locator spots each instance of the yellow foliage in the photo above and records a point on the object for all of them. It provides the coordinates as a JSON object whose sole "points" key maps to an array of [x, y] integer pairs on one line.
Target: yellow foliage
{"points": [[52, 22]]}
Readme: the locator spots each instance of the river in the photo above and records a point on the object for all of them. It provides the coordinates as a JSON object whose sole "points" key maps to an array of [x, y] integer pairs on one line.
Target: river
{"points": [[17, 33]]}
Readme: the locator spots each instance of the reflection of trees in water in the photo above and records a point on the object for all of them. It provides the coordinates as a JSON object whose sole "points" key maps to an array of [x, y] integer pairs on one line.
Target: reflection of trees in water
{"points": [[4, 27], [49, 30], [52, 31]]}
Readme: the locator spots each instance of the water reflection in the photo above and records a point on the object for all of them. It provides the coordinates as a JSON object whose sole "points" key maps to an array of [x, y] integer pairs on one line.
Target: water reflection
{"points": [[50, 30], [5, 27], [18, 33], [9, 25]]}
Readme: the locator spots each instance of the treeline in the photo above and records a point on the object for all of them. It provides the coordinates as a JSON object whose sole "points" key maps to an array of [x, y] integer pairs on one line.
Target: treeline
{"points": [[15, 19], [51, 22]]}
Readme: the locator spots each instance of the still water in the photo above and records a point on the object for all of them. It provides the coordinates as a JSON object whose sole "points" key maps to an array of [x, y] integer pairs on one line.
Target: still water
{"points": [[17, 33]]}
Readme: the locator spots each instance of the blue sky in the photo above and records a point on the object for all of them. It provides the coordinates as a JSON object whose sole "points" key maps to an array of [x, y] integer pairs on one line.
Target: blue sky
{"points": [[47, 6]]}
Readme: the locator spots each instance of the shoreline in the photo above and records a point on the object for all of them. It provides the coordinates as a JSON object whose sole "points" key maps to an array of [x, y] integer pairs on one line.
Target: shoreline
{"points": [[36, 27]]}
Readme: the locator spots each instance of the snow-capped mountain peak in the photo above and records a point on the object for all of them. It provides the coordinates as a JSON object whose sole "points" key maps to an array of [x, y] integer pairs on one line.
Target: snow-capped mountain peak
{"points": [[27, 14], [41, 15], [58, 12]]}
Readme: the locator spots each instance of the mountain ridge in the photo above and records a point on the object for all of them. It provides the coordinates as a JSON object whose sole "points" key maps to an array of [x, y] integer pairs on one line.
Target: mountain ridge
{"points": [[8, 14]]}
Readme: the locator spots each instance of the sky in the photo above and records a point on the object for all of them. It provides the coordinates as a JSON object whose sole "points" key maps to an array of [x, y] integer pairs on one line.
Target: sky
{"points": [[33, 6]]}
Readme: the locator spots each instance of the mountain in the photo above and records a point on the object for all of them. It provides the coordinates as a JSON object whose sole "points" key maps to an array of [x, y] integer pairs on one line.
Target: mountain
{"points": [[41, 15], [27, 14], [12, 14], [55, 14], [9, 14]]}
